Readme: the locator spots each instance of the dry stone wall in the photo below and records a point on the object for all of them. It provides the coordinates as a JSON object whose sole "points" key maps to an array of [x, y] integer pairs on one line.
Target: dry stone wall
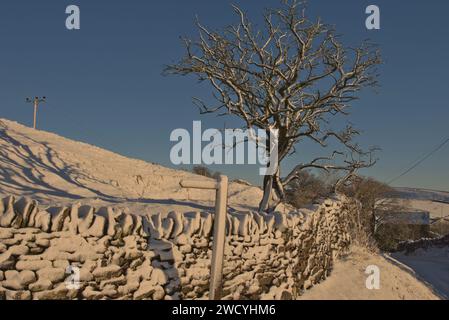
{"points": [[411, 246], [81, 252]]}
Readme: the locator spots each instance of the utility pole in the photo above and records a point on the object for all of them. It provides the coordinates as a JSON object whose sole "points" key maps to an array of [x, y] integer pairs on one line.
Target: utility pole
{"points": [[36, 101]]}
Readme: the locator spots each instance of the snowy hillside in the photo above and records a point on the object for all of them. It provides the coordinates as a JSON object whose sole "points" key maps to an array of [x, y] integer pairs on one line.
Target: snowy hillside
{"points": [[56, 170], [53, 169], [421, 194], [413, 199]]}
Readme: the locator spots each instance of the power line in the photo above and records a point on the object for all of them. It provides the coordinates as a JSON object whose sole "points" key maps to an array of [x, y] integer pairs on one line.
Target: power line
{"points": [[427, 156]]}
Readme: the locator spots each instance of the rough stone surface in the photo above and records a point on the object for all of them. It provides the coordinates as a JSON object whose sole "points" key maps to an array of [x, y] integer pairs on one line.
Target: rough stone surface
{"points": [[85, 253], [33, 265], [107, 272], [54, 275], [146, 289], [17, 295], [41, 285], [59, 293]]}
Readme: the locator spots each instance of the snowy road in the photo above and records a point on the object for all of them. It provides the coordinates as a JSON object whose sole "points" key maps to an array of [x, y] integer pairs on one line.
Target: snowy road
{"points": [[432, 266]]}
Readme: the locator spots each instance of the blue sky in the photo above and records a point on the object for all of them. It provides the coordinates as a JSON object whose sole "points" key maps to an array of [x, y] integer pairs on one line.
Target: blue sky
{"points": [[104, 83]]}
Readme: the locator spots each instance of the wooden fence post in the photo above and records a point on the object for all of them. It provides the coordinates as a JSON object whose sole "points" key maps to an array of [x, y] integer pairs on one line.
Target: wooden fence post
{"points": [[218, 246]]}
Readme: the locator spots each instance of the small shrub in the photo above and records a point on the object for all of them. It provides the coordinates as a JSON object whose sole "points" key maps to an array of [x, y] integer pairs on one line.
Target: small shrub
{"points": [[306, 190], [388, 236], [440, 228], [206, 172]]}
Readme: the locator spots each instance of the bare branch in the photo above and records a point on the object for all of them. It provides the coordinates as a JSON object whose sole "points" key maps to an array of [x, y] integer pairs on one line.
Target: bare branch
{"points": [[293, 75]]}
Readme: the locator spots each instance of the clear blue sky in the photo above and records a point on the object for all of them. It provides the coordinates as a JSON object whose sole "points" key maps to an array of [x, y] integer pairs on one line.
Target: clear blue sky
{"points": [[104, 83]]}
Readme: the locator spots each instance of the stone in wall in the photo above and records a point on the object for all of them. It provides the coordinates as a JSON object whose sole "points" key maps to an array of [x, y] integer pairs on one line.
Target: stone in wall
{"points": [[117, 255]]}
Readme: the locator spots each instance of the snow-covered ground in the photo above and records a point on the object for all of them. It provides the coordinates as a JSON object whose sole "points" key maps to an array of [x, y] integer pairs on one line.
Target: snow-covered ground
{"points": [[422, 194], [53, 169], [436, 209], [348, 281], [431, 265], [56, 170], [434, 202]]}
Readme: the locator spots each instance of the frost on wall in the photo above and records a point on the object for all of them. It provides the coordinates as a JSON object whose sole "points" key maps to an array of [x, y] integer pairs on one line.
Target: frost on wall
{"points": [[130, 256]]}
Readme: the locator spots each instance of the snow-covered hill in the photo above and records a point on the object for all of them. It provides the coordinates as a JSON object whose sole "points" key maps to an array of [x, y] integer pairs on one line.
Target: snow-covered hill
{"points": [[56, 170], [421, 194], [53, 169], [432, 201]]}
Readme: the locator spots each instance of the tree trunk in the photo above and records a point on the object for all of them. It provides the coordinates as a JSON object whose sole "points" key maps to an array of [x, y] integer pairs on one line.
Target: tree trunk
{"points": [[273, 193], [273, 188], [267, 192]]}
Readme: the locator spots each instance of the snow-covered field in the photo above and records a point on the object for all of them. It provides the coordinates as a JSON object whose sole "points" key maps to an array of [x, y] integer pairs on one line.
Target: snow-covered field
{"points": [[435, 202], [56, 170], [53, 169], [436, 209], [422, 194]]}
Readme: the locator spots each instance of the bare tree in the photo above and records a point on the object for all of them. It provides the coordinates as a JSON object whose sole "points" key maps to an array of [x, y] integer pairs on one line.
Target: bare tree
{"points": [[294, 75], [375, 198]]}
